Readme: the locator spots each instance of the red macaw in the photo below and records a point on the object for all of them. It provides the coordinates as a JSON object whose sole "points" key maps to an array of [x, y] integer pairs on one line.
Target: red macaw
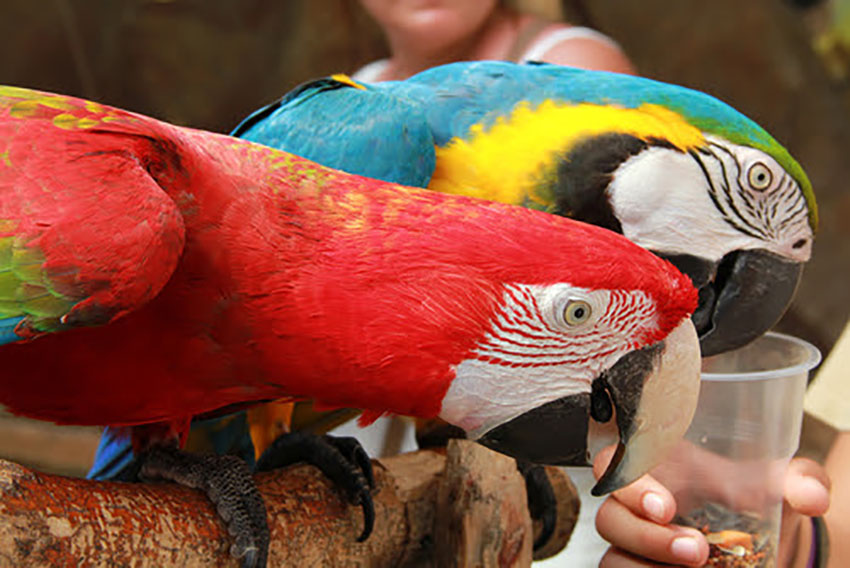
{"points": [[151, 273]]}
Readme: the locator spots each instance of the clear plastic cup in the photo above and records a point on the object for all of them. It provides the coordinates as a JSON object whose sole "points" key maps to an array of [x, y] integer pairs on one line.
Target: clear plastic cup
{"points": [[727, 474]]}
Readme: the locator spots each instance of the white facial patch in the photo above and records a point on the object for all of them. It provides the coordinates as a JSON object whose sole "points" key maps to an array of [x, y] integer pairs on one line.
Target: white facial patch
{"points": [[533, 354], [711, 202]]}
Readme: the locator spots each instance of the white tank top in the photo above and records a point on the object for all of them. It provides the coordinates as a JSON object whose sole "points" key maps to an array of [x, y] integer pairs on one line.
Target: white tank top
{"points": [[534, 52]]}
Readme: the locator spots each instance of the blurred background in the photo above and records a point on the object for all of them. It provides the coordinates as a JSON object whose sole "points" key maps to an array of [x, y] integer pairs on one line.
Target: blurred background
{"points": [[208, 63]]}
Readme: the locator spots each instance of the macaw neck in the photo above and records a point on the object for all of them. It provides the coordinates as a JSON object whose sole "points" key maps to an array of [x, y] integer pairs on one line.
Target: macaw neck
{"points": [[496, 170], [517, 157]]}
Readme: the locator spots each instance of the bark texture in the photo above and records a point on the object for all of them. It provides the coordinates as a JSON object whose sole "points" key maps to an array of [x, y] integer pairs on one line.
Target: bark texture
{"points": [[469, 506]]}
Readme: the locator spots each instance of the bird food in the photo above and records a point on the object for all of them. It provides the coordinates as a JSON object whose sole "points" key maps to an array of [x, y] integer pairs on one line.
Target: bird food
{"points": [[735, 539]]}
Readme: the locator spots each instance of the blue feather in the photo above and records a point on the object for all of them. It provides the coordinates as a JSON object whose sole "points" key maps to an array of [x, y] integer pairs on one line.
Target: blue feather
{"points": [[114, 456], [459, 95], [7, 330], [360, 130]]}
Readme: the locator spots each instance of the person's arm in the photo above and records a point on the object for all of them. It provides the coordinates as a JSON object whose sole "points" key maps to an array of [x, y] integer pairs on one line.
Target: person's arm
{"points": [[589, 53], [838, 517]]}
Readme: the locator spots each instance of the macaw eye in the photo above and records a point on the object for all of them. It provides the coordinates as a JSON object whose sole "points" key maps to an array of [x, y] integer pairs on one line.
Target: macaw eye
{"points": [[759, 176], [576, 312]]}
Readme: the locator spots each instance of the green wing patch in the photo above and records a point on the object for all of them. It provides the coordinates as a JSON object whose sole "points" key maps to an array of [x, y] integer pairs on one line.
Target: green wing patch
{"points": [[25, 289]]}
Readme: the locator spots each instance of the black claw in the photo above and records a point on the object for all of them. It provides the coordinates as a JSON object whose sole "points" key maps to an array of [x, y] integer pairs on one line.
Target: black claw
{"points": [[541, 500], [351, 449], [228, 483], [355, 454], [342, 460], [368, 517]]}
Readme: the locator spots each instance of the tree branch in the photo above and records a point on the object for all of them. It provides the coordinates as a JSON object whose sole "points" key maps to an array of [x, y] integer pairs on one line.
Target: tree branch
{"points": [[53, 520]]}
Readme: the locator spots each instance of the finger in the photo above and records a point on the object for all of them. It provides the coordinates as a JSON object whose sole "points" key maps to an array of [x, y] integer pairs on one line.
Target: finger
{"points": [[645, 497], [807, 487], [806, 491], [616, 558], [672, 544], [795, 538]]}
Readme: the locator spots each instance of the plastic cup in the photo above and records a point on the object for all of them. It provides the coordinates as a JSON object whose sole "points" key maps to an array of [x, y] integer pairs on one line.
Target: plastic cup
{"points": [[727, 474]]}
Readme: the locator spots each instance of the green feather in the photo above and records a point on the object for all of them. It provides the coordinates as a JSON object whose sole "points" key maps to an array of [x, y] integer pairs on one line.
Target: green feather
{"points": [[25, 289]]}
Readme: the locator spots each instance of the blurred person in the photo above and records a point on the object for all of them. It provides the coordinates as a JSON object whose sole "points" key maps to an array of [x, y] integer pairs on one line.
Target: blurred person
{"points": [[837, 518], [426, 34]]}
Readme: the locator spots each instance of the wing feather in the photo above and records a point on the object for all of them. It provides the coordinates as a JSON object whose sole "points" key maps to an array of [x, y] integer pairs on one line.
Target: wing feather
{"points": [[86, 234]]}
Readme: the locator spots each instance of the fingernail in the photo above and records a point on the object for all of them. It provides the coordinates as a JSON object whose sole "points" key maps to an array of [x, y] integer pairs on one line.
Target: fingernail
{"points": [[812, 495], [653, 505], [685, 548], [815, 486]]}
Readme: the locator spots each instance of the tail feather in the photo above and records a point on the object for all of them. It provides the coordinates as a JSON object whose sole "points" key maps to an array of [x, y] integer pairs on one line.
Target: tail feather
{"points": [[114, 456]]}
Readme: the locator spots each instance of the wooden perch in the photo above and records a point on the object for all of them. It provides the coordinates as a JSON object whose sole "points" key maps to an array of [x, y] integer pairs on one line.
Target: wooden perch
{"points": [[468, 507]]}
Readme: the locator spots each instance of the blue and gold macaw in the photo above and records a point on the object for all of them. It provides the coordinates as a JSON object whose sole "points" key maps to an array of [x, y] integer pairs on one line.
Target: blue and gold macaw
{"points": [[673, 169]]}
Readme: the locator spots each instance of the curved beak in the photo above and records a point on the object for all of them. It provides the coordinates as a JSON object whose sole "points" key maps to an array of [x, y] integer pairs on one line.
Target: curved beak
{"points": [[740, 297], [654, 393]]}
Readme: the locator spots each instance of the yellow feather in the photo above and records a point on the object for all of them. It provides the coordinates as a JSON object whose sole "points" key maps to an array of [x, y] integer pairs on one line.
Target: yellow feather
{"points": [[515, 160], [342, 78]]}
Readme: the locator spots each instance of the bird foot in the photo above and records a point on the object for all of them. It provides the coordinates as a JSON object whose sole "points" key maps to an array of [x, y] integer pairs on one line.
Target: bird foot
{"points": [[542, 504], [228, 483], [342, 459]]}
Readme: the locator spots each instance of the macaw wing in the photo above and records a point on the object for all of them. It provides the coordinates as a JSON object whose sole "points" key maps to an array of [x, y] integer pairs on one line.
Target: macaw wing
{"points": [[353, 127], [86, 233]]}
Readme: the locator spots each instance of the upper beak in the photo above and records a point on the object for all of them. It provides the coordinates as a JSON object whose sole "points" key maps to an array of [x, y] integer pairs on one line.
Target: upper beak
{"points": [[654, 392], [741, 297]]}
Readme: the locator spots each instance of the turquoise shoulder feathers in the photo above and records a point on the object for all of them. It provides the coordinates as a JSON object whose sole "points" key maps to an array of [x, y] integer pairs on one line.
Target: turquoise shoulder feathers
{"points": [[357, 128]]}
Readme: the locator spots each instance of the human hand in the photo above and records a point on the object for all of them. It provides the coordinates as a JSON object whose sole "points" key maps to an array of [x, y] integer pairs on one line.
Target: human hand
{"points": [[636, 520]]}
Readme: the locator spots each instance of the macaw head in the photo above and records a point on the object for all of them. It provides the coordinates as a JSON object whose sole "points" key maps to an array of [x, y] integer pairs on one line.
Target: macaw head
{"points": [[674, 170], [603, 325], [559, 355], [717, 196]]}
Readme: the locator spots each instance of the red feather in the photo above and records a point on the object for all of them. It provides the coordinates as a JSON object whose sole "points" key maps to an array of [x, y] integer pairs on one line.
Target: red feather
{"points": [[227, 272]]}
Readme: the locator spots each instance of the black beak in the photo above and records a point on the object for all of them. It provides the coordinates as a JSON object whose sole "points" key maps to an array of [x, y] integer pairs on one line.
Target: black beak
{"points": [[740, 297], [521, 437], [653, 391]]}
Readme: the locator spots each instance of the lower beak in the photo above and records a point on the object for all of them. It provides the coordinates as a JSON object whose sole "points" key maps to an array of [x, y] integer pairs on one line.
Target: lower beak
{"points": [[740, 298], [654, 392]]}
